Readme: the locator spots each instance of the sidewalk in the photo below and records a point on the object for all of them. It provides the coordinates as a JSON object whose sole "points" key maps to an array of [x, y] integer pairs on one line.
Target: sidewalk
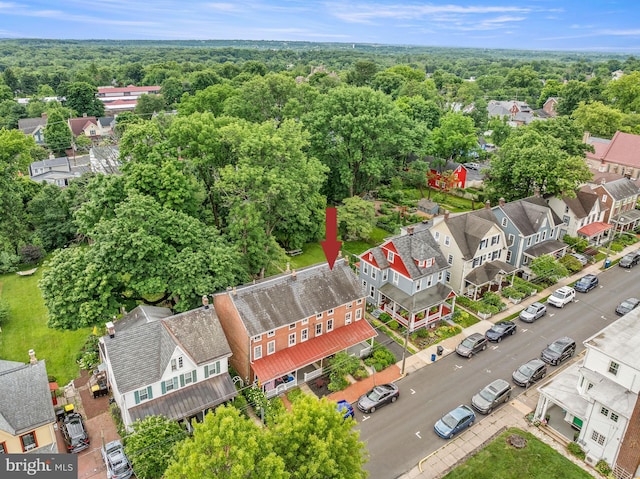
{"points": [[512, 414]]}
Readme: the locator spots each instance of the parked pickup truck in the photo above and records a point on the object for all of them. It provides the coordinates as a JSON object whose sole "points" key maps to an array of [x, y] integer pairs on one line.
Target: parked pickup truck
{"points": [[98, 383], [118, 465]]}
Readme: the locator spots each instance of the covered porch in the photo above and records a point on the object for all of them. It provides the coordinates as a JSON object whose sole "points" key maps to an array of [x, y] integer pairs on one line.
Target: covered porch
{"points": [[285, 369], [490, 276], [626, 221], [424, 308], [555, 248], [596, 233]]}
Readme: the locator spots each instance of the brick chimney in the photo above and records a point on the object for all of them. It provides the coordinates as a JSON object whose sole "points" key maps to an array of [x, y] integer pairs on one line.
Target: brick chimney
{"points": [[32, 357], [536, 192], [234, 291], [410, 230], [111, 329], [446, 214], [487, 204], [205, 301], [502, 202]]}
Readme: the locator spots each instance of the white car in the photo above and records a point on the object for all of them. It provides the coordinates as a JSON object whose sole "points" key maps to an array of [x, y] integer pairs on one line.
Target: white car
{"points": [[562, 296]]}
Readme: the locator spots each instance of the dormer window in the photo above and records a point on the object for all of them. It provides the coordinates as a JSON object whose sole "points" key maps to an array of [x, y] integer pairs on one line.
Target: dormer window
{"points": [[177, 363], [390, 256]]}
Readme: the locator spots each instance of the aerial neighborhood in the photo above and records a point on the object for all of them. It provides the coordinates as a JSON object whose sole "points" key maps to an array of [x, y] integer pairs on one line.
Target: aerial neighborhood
{"points": [[169, 217]]}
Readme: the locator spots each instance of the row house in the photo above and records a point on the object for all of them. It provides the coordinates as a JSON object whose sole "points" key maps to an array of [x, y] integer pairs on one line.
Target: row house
{"points": [[407, 277], [120, 99], [27, 417], [599, 396], [159, 363], [619, 199], [475, 248], [582, 216], [532, 229], [282, 329]]}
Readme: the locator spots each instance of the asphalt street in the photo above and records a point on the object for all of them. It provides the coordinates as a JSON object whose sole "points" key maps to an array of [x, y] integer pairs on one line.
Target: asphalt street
{"points": [[400, 434]]}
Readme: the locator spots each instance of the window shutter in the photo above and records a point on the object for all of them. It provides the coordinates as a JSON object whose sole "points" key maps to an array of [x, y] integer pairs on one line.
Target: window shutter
{"points": [[136, 396], [206, 371], [175, 383], [182, 380], [163, 387], [195, 376], [149, 392]]}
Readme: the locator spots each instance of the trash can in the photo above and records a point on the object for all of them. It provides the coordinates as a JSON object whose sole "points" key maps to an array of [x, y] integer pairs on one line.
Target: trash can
{"points": [[607, 263], [433, 358], [440, 350]]}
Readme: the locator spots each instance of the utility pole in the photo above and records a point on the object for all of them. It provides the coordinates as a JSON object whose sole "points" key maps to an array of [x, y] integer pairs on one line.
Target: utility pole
{"points": [[406, 336]]}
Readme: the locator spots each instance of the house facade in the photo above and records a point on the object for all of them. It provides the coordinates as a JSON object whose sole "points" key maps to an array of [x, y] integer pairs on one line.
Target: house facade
{"points": [[532, 229], [621, 155], [599, 396], [119, 99], [475, 248], [407, 277], [581, 216], [618, 198], [161, 363], [282, 329], [27, 417], [452, 175], [34, 127]]}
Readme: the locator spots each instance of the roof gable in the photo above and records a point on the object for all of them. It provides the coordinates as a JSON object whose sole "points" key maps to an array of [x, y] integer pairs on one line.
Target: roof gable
{"points": [[621, 189], [624, 149], [529, 214], [582, 204], [470, 228]]}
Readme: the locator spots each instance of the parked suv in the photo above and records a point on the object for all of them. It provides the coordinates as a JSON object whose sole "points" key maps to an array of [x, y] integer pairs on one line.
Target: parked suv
{"points": [[558, 351], [530, 372], [118, 465], [74, 433], [492, 395], [562, 296], [532, 312], [472, 345], [586, 283], [629, 260]]}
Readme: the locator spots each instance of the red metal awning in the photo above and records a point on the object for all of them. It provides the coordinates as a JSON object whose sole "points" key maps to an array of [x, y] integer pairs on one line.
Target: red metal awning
{"points": [[308, 352], [593, 229]]}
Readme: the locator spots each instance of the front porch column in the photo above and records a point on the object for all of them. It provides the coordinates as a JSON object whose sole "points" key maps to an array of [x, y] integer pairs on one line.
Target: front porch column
{"points": [[541, 407]]}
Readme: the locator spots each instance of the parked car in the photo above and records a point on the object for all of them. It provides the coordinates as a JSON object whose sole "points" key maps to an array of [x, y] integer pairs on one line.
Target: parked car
{"points": [[629, 260], [580, 257], [471, 166], [561, 349], [530, 372], [454, 421], [378, 396], [501, 330], [492, 395], [118, 465], [74, 433], [532, 312], [562, 296], [586, 283], [471, 345], [345, 409], [627, 305]]}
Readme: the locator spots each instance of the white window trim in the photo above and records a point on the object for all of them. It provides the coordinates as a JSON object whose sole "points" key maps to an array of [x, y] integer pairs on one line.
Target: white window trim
{"points": [[257, 352], [304, 335], [271, 333], [347, 318], [319, 329], [329, 325], [271, 347], [292, 339]]}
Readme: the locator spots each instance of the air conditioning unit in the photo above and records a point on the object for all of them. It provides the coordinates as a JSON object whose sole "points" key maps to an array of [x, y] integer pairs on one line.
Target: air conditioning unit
{"points": [[590, 460]]}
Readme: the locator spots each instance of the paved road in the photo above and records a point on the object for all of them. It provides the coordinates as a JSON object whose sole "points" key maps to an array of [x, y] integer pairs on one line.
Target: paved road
{"points": [[399, 435]]}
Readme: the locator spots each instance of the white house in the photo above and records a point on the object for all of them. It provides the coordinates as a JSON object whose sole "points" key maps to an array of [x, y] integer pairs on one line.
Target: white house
{"points": [[173, 365], [599, 396]]}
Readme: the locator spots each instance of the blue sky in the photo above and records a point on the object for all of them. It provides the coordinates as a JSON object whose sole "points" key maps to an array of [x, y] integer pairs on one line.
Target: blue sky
{"points": [[586, 25]]}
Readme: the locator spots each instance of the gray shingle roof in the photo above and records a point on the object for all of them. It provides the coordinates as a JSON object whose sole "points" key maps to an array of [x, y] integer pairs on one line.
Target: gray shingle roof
{"points": [[582, 204], [283, 299], [145, 341], [29, 125], [419, 246], [622, 188], [25, 402], [470, 228], [528, 214]]}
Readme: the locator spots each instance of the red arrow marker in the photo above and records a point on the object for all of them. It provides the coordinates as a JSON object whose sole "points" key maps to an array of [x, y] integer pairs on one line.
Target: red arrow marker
{"points": [[331, 245]]}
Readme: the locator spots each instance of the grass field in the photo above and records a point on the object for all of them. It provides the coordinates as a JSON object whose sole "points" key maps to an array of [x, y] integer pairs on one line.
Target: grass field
{"points": [[499, 460], [27, 329]]}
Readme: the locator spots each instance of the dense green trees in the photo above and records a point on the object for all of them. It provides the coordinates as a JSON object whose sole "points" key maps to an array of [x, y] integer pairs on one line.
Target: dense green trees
{"points": [[57, 134], [81, 98]]}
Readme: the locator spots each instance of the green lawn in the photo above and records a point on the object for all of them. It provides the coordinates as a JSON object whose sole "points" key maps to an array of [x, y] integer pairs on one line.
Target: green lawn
{"points": [[499, 460], [27, 329]]}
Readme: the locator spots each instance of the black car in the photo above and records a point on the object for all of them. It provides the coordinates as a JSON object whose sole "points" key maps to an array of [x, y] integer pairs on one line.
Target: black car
{"points": [[558, 351], [586, 283], [529, 373], [471, 345], [627, 305], [629, 260], [501, 330], [74, 433], [378, 396]]}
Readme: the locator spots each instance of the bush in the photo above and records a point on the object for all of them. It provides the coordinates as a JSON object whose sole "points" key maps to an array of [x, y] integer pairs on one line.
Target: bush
{"points": [[616, 247], [394, 325], [603, 468], [513, 293], [114, 410], [422, 333], [8, 262], [380, 359], [31, 254], [384, 317], [337, 382], [572, 264], [4, 310], [241, 404], [294, 394], [486, 308], [493, 299], [361, 373], [464, 301], [576, 450], [444, 332], [343, 363], [525, 286]]}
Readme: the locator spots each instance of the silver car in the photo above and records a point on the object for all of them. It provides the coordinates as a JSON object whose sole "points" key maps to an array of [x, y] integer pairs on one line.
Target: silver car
{"points": [[532, 312], [492, 395]]}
